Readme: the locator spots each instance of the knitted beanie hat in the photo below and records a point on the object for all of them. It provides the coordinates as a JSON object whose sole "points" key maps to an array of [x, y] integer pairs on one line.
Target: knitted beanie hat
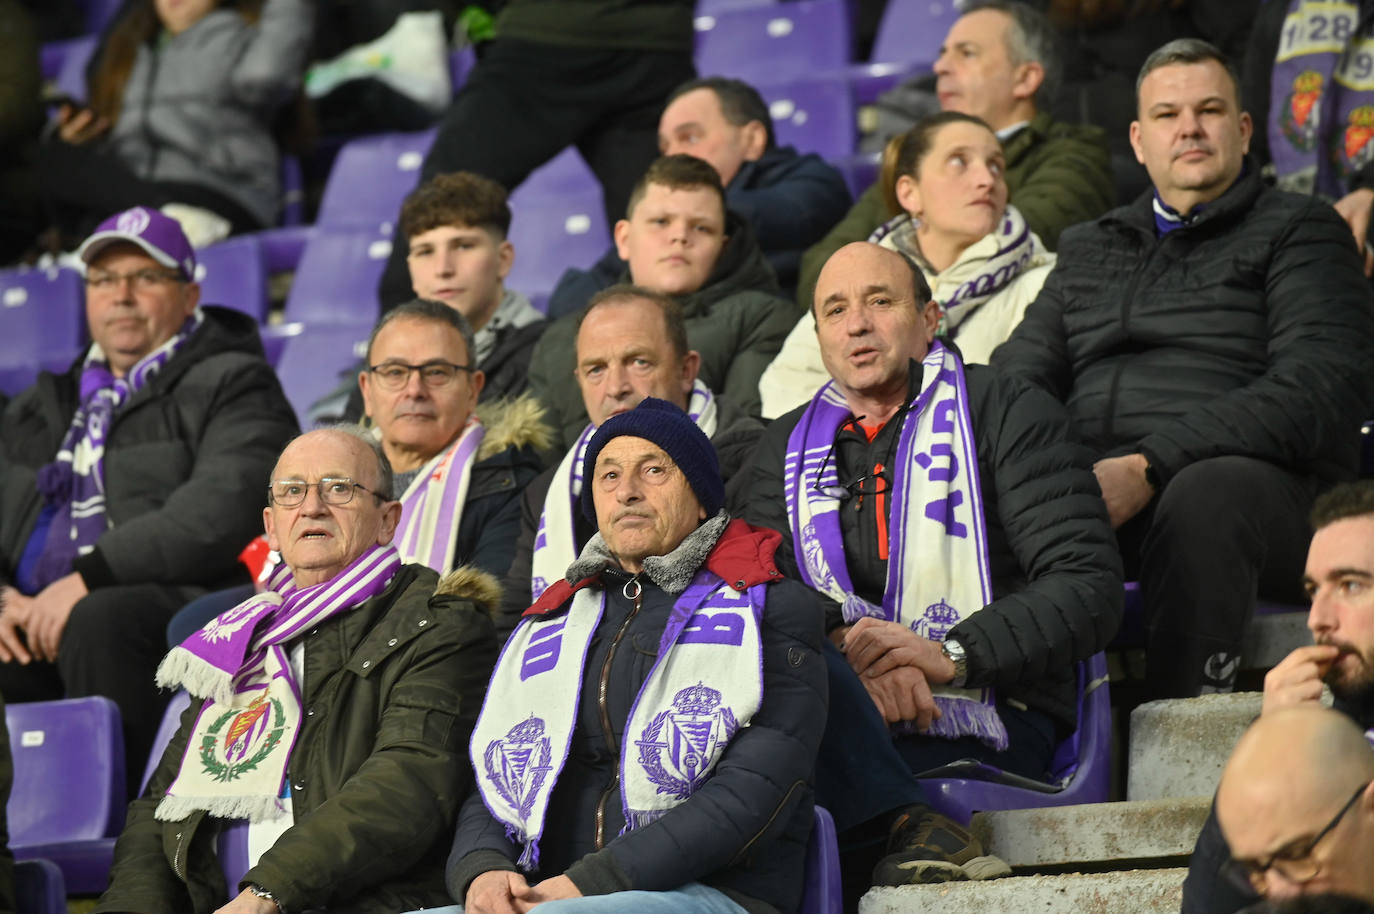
{"points": [[670, 428]]}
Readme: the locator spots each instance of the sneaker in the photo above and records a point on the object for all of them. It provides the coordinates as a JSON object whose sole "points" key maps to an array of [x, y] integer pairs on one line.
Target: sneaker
{"points": [[925, 847]]}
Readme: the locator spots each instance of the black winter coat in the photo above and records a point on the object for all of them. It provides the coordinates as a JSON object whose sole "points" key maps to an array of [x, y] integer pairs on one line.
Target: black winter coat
{"points": [[736, 435], [1246, 333], [1056, 572], [186, 461], [745, 831]]}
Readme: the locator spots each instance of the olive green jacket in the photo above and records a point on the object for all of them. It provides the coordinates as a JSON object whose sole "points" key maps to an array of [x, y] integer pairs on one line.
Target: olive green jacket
{"points": [[378, 771], [1058, 174]]}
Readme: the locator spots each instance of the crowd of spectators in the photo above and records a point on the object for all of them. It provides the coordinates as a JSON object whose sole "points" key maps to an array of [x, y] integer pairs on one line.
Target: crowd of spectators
{"points": [[783, 501]]}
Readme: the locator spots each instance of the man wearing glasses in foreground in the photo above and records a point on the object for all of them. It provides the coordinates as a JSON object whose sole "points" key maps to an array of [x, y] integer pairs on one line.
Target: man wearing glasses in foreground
{"points": [[331, 711], [122, 479], [961, 549], [1339, 579]]}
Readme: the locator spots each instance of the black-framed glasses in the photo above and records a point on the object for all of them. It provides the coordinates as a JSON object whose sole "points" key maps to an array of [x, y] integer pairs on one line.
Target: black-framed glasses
{"points": [[868, 484], [144, 279], [434, 373], [1294, 863], [333, 490]]}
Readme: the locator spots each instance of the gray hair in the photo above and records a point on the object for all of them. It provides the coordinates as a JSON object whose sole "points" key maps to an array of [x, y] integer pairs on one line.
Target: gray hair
{"points": [[386, 480], [427, 310], [1030, 39], [1185, 51]]}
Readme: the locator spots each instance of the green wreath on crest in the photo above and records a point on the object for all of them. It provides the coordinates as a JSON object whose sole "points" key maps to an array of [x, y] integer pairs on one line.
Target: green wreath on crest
{"points": [[230, 771]]}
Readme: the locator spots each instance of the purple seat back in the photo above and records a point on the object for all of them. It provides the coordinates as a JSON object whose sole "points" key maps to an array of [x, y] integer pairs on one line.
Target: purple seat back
{"points": [[912, 31], [821, 893], [233, 853], [39, 887], [370, 178], [64, 62], [1132, 631], [171, 719], [42, 323], [712, 7], [860, 171], [780, 41], [100, 13], [1081, 765], [68, 770], [316, 361], [557, 221], [460, 64], [231, 273], [336, 279], [814, 115]]}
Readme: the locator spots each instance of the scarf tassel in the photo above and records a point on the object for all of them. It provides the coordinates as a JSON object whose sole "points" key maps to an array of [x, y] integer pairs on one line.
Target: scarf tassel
{"points": [[253, 808], [529, 857], [183, 669], [960, 717]]}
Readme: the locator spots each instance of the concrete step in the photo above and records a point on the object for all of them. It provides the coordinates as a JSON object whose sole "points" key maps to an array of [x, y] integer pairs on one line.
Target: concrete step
{"points": [[1117, 834], [1271, 637], [1179, 746], [1129, 892]]}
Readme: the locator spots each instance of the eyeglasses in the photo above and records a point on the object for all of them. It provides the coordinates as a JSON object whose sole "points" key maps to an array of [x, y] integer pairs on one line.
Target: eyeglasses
{"points": [[395, 375], [143, 280], [1294, 863], [333, 490], [873, 483]]}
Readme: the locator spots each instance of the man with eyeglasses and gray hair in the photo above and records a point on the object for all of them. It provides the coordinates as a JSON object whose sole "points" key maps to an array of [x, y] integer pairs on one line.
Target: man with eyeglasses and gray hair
{"points": [[1296, 804], [952, 530], [122, 479], [331, 710]]}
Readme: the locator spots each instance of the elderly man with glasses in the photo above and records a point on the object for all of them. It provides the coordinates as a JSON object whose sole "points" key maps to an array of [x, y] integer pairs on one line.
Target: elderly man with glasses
{"points": [[955, 536], [122, 479], [1296, 804], [331, 711]]}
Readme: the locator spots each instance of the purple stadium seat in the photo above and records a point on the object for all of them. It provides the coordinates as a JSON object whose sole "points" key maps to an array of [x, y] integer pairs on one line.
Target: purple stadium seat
{"points": [[370, 178], [100, 13], [1080, 770], [336, 279], [64, 62], [292, 191], [912, 31], [821, 894], [860, 170], [1132, 631], [233, 853], [814, 115], [460, 64], [553, 233], [712, 7], [39, 887], [314, 362], [231, 273], [68, 790], [780, 41], [42, 324]]}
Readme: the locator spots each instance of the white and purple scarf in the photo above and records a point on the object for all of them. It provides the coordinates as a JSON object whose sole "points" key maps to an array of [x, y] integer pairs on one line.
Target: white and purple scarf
{"points": [[705, 686], [432, 507], [238, 750], [74, 483], [937, 573], [1005, 253], [555, 542], [1321, 97]]}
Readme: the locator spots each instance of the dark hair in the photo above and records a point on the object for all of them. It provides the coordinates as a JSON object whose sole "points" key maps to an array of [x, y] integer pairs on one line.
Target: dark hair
{"points": [[904, 153], [677, 172], [674, 327], [136, 25], [424, 309], [1351, 499], [740, 102], [457, 198], [1031, 38], [1185, 51]]}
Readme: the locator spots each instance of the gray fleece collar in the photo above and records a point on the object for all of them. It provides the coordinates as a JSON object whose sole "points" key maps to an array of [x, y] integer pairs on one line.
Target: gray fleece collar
{"points": [[672, 572]]}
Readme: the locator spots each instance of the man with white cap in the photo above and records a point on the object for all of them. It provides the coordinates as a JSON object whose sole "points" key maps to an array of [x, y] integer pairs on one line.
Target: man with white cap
{"points": [[122, 480]]}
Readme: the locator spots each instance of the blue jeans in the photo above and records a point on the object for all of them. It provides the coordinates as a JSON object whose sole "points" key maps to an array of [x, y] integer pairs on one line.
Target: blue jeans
{"points": [[692, 898]]}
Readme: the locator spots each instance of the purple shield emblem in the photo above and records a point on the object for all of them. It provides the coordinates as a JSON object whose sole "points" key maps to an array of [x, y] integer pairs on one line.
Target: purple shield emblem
{"points": [[518, 764], [680, 745]]}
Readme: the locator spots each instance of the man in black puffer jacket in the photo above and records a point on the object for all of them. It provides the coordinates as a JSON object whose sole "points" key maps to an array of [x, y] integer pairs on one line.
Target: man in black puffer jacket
{"points": [[649, 732], [1212, 343], [127, 483], [953, 532]]}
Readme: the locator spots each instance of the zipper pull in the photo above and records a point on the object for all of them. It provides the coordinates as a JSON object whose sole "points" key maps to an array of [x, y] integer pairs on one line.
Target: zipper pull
{"points": [[632, 589]]}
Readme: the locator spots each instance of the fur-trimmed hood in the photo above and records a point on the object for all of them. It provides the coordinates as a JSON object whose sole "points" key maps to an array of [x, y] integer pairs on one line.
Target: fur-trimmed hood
{"points": [[513, 423], [472, 583]]}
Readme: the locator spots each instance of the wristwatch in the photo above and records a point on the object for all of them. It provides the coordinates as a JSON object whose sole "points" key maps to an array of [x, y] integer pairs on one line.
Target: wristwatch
{"points": [[259, 891], [954, 650]]}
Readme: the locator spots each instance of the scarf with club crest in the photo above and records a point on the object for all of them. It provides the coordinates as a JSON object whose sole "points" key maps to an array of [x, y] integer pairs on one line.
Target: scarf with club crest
{"points": [[937, 573], [237, 752], [706, 684], [555, 543], [74, 483]]}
